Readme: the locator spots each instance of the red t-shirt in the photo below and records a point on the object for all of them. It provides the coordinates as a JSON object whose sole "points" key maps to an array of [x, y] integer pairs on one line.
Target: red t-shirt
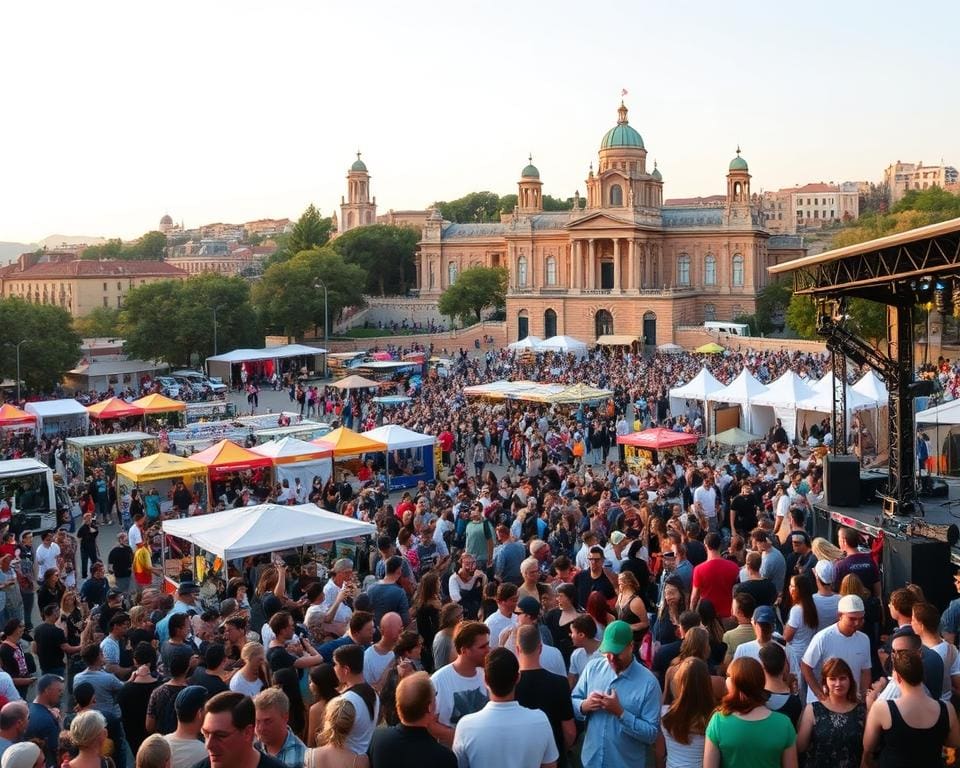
{"points": [[446, 441], [715, 579]]}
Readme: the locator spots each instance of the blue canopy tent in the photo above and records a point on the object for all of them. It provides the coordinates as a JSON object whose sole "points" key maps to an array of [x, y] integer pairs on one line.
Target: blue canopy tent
{"points": [[410, 455]]}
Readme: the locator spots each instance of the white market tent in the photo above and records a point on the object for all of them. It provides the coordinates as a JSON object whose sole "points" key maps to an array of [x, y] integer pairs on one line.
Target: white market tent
{"points": [[295, 459], [237, 533], [220, 365], [530, 342], [698, 388], [741, 391], [783, 396], [54, 416], [945, 413], [564, 344], [873, 387], [398, 438]]}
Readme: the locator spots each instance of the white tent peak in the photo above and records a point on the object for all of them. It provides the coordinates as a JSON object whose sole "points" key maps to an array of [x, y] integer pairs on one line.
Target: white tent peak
{"points": [[398, 438], [742, 390], [785, 392]]}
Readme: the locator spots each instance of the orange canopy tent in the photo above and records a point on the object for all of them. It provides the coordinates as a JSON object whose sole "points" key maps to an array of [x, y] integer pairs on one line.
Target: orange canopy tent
{"points": [[157, 403], [346, 442], [113, 408], [11, 416], [225, 457]]}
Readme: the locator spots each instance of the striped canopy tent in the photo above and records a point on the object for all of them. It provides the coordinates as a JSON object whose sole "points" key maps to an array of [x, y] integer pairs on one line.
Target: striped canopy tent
{"points": [[113, 408], [11, 416], [157, 403]]}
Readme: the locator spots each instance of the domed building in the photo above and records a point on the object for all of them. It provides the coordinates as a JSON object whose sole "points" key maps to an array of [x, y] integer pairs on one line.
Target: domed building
{"points": [[624, 261]]}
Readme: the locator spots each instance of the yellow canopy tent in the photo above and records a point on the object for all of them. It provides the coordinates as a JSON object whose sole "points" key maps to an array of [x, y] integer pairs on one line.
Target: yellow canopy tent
{"points": [[157, 403], [346, 442], [159, 466], [710, 348], [579, 393]]}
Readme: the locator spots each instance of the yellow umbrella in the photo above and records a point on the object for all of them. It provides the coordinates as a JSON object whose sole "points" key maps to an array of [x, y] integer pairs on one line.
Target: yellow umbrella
{"points": [[711, 348]]}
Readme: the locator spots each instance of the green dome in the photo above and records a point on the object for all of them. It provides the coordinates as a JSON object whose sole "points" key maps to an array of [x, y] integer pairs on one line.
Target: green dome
{"points": [[622, 135], [358, 165], [656, 173], [738, 163], [530, 172]]}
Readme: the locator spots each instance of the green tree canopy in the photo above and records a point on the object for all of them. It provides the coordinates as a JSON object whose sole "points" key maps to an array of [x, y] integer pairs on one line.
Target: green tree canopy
{"points": [[150, 246], [288, 299], [52, 347], [311, 231], [487, 206], [476, 289], [99, 323], [172, 320], [802, 316], [386, 255]]}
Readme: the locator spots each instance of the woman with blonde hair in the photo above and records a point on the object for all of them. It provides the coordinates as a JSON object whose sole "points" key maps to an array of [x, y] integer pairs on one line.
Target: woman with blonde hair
{"points": [[252, 677], [154, 752], [338, 720], [679, 743], [88, 732], [824, 550], [695, 645]]}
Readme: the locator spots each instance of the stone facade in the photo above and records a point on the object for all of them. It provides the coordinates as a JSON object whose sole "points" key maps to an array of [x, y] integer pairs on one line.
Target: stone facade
{"points": [[810, 207], [900, 177], [621, 261]]}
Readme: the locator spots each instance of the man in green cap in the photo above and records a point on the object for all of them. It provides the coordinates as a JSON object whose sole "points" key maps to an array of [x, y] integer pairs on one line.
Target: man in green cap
{"points": [[619, 699]]}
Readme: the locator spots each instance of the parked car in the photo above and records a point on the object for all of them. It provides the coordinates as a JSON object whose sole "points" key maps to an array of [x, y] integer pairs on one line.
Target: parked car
{"points": [[170, 386], [200, 383]]}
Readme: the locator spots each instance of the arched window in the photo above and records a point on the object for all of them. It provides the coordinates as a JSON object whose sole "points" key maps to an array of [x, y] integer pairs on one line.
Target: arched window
{"points": [[737, 279], [549, 324], [551, 272], [710, 269], [451, 273], [709, 313], [523, 325], [603, 322], [616, 195], [683, 269], [522, 271]]}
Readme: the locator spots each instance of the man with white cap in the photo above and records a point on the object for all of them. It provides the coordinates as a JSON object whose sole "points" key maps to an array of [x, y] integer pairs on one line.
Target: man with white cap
{"points": [[825, 598], [26, 754], [842, 640]]}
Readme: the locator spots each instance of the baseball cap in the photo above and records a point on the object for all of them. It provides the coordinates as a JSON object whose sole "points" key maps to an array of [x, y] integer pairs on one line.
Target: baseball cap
{"points": [[114, 592], [617, 537], [617, 636], [764, 614], [21, 755], [188, 588], [850, 604], [529, 606], [189, 701], [343, 564], [825, 571]]}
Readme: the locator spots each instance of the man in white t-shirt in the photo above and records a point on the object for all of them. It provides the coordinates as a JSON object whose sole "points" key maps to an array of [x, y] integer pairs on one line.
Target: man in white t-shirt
{"points": [[841, 640], [503, 733], [502, 618], [378, 657], [461, 689], [335, 592], [825, 598], [47, 554], [706, 500], [583, 633], [186, 745], [135, 532]]}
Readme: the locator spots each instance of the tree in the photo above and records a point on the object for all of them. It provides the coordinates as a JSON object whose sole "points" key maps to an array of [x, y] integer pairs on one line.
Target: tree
{"points": [[311, 231], [802, 316], [289, 301], [386, 255], [172, 320], [474, 207], [99, 323], [52, 346], [772, 303], [868, 320], [475, 289], [151, 247], [551, 203]]}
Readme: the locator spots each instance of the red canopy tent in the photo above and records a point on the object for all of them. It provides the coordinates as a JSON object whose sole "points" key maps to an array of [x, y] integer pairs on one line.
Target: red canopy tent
{"points": [[657, 438], [11, 416], [113, 408]]}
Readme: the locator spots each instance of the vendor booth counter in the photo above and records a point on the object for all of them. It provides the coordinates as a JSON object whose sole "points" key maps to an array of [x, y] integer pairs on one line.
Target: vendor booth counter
{"points": [[84, 454]]}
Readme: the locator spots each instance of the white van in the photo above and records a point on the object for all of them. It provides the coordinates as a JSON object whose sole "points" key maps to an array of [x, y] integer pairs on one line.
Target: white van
{"points": [[26, 487], [730, 329]]}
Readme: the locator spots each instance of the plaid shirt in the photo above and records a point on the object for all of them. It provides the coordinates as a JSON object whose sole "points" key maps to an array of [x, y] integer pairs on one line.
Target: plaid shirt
{"points": [[292, 754]]}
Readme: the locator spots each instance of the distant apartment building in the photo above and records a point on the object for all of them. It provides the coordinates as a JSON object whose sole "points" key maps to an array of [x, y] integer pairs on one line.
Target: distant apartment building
{"points": [[267, 227], [901, 177], [812, 206], [80, 286], [225, 257], [221, 231]]}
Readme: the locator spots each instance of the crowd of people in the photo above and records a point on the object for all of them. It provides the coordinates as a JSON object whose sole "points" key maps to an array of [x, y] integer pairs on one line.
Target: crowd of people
{"points": [[542, 603]]}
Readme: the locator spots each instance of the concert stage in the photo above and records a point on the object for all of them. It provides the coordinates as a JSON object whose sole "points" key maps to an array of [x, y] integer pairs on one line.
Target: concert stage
{"points": [[908, 558]]}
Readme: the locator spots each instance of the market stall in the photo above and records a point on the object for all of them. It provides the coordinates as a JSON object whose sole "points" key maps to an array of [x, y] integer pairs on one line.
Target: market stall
{"points": [[348, 448], [566, 345], [641, 449], [410, 455], [740, 392], [66, 416], [577, 394], [225, 459], [699, 388], [12, 417], [157, 405], [114, 408], [156, 467], [783, 396], [527, 343], [84, 454], [249, 364], [297, 461]]}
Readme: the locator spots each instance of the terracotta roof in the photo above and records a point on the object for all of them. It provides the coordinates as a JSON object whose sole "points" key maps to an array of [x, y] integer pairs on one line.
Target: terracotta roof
{"points": [[815, 188], [708, 200], [90, 268]]}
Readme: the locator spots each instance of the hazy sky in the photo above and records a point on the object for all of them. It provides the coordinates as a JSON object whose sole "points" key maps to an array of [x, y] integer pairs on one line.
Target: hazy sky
{"points": [[115, 113]]}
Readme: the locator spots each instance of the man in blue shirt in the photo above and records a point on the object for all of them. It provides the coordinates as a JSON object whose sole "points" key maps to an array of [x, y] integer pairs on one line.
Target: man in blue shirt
{"points": [[620, 701], [44, 721]]}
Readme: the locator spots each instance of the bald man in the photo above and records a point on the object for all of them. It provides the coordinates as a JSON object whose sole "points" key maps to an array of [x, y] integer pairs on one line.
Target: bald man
{"points": [[410, 745], [13, 723], [379, 656]]}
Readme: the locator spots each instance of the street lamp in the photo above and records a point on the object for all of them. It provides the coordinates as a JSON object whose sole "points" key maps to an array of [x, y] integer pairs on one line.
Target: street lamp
{"points": [[17, 345], [326, 322], [215, 328]]}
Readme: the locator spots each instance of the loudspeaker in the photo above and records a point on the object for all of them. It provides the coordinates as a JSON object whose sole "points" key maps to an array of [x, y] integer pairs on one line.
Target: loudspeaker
{"points": [[915, 561], [870, 484], [841, 481]]}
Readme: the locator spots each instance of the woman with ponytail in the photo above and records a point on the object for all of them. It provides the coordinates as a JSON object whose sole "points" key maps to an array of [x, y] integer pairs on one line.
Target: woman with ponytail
{"points": [[338, 720], [743, 732]]}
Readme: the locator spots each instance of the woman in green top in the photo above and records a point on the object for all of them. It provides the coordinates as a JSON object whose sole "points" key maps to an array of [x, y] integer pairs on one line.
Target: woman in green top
{"points": [[743, 733]]}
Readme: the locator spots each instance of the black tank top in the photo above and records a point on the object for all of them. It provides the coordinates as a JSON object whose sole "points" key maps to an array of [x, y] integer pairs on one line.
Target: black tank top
{"points": [[906, 747]]}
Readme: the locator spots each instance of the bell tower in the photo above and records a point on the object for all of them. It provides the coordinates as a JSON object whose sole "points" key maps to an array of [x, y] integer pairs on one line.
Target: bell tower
{"points": [[529, 189], [738, 192], [357, 210]]}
